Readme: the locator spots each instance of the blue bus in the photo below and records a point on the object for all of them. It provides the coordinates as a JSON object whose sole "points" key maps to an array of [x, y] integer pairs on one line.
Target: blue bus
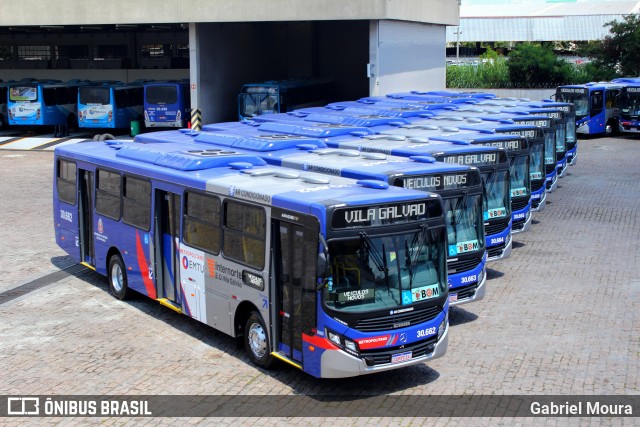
{"points": [[333, 276], [44, 103], [280, 96], [167, 104], [353, 131], [596, 106], [460, 187], [536, 141], [630, 107], [110, 105]]}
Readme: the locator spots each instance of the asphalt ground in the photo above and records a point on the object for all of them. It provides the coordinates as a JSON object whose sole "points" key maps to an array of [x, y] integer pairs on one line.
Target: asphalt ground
{"points": [[560, 318]]}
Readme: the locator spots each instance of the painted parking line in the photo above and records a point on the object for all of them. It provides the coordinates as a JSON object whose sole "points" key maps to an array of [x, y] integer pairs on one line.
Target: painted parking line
{"points": [[38, 143]]}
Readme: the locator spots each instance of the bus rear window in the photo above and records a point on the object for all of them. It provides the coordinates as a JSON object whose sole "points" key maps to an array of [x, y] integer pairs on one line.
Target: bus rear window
{"points": [[23, 93], [161, 94], [94, 95], [66, 182]]}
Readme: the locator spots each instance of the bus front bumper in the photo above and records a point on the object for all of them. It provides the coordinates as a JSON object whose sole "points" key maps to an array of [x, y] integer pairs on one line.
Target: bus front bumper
{"points": [[542, 203], [477, 296], [523, 226], [554, 184], [339, 364], [506, 252]]}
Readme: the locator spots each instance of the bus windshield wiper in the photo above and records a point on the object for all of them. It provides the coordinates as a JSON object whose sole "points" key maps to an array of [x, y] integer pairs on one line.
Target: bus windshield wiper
{"points": [[378, 260]]}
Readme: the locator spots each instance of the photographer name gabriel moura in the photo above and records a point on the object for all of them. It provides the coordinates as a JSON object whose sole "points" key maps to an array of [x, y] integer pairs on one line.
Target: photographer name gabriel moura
{"points": [[593, 408]]}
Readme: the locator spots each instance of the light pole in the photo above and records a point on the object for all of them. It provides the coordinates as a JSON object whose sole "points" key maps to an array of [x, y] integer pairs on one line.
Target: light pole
{"points": [[457, 33]]}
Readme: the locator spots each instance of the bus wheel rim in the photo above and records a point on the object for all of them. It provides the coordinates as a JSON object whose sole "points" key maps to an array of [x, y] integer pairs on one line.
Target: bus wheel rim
{"points": [[258, 340], [116, 278]]}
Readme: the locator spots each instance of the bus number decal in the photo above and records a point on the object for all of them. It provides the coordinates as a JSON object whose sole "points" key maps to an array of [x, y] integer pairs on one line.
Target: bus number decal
{"points": [[469, 279], [497, 240], [519, 216], [424, 333], [66, 215]]}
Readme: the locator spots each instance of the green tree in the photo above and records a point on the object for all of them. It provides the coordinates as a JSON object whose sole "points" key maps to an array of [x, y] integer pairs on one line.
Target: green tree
{"points": [[618, 53], [534, 65]]}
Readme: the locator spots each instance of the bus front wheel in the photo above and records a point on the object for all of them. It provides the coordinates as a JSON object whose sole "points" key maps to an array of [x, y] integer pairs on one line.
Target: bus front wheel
{"points": [[610, 128], [117, 276], [256, 341]]}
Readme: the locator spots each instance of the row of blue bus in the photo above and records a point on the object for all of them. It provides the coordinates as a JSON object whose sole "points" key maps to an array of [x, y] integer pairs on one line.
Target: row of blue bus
{"points": [[332, 238], [95, 104], [604, 108]]}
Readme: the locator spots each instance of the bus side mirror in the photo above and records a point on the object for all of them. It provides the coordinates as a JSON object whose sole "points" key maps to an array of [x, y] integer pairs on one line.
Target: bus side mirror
{"points": [[322, 270]]}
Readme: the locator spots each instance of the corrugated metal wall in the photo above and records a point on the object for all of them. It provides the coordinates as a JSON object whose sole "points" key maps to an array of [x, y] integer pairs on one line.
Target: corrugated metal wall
{"points": [[406, 56]]}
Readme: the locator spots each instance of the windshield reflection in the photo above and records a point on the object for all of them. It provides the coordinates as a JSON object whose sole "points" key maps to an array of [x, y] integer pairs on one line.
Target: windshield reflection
{"points": [[378, 272]]}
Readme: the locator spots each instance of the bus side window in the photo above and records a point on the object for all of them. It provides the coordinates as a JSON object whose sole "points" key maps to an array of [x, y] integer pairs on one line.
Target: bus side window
{"points": [[596, 102], [613, 98], [66, 182], [202, 222], [136, 205], [108, 185], [244, 234]]}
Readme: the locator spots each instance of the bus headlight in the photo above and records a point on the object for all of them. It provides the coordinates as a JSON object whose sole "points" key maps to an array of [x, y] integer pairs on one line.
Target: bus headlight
{"points": [[335, 338], [345, 344], [350, 345]]}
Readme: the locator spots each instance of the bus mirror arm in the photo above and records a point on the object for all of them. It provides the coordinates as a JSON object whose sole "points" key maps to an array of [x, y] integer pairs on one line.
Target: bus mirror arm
{"points": [[323, 262]]}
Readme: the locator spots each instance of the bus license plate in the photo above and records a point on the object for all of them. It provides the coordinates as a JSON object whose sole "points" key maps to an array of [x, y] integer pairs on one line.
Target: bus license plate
{"points": [[401, 357], [453, 297]]}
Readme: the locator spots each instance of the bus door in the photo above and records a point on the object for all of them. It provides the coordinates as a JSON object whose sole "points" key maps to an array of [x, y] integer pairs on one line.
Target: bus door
{"points": [[167, 255], [294, 256], [85, 214]]}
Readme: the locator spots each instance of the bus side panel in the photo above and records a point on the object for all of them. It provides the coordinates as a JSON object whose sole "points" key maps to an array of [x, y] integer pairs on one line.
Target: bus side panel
{"points": [[134, 248], [65, 218]]}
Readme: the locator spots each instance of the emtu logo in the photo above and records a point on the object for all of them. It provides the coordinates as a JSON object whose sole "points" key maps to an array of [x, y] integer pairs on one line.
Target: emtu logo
{"points": [[23, 406], [211, 266]]}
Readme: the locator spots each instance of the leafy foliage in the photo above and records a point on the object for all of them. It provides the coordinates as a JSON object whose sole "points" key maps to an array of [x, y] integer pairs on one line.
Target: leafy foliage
{"points": [[533, 65], [617, 54]]}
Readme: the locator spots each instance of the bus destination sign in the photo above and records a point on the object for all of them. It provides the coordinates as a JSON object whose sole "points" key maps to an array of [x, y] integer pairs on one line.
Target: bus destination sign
{"points": [[368, 216], [438, 182]]}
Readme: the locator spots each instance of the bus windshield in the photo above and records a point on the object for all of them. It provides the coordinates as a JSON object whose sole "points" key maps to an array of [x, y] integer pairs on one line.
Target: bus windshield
{"points": [[579, 100], [630, 103], [23, 94], [561, 142], [167, 94], [536, 163], [94, 96], [519, 173], [371, 272], [465, 228], [255, 104], [549, 148], [497, 201]]}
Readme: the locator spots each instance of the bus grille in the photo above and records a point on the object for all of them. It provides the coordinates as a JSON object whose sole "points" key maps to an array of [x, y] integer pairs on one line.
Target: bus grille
{"points": [[465, 292], [463, 264], [537, 184], [517, 205], [560, 156], [518, 224], [495, 228], [383, 356], [549, 168], [386, 323], [496, 251], [571, 145]]}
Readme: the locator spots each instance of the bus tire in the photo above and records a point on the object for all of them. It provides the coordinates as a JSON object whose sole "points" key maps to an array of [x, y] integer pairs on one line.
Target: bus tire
{"points": [[106, 137], [610, 128], [256, 341], [117, 276]]}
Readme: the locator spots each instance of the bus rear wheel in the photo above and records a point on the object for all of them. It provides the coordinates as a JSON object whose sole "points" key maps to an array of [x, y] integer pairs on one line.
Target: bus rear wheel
{"points": [[256, 341], [117, 276]]}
